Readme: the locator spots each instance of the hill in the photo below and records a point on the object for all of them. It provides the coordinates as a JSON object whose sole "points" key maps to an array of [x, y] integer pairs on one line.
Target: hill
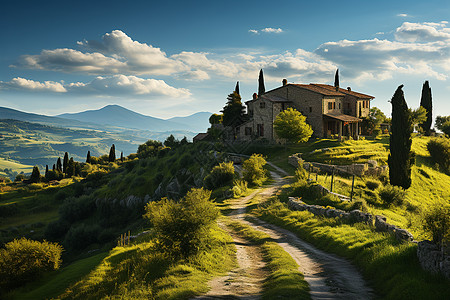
{"points": [[115, 115]]}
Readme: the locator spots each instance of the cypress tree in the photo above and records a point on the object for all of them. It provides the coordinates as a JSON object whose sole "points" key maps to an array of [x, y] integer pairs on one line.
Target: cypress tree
{"points": [[121, 156], [35, 175], [112, 154], [426, 102], [65, 162], [261, 87], [88, 157], [336, 79], [236, 89], [53, 169], [70, 167], [46, 170], [58, 164], [233, 111], [399, 159]]}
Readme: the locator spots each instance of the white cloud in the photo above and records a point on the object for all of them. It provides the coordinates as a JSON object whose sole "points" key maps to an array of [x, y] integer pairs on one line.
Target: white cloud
{"points": [[272, 30], [19, 83], [117, 85], [254, 31], [379, 33], [402, 15], [422, 32]]}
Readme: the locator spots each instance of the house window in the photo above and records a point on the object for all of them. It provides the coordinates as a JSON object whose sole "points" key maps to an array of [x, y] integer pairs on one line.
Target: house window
{"points": [[330, 105], [260, 129], [339, 105], [262, 105], [248, 131], [310, 109]]}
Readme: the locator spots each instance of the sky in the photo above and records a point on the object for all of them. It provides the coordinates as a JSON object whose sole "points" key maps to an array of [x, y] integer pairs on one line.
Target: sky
{"points": [[176, 58]]}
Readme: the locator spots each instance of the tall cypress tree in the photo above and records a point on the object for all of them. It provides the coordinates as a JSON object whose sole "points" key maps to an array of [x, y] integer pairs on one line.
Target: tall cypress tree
{"points": [[58, 164], [46, 170], [261, 87], [236, 89], [233, 111], [112, 154], [426, 102], [65, 162], [121, 156], [54, 168], [336, 79], [399, 159], [88, 157]]}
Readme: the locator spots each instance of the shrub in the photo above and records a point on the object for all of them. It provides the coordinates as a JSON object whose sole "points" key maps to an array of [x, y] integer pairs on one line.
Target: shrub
{"points": [[300, 172], [436, 222], [81, 236], [372, 184], [254, 172], [239, 188], [440, 153], [24, 260], [220, 175], [75, 209], [390, 194], [182, 227]]}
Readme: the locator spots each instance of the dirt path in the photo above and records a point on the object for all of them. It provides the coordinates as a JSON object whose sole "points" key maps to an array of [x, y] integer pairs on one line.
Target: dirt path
{"points": [[329, 276]]}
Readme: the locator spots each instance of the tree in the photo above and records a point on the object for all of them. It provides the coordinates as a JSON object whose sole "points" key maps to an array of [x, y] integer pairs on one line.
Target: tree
{"points": [[418, 116], [171, 142], [261, 87], [65, 162], [88, 157], [46, 170], [215, 119], [253, 170], [291, 125], [184, 141], [121, 156], [336, 79], [373, 120], [58, 165], [426, 102], [35, 175], [399, 159], [70, 167], [236, 89], [443, 123], [112, 154], [233, 111]]}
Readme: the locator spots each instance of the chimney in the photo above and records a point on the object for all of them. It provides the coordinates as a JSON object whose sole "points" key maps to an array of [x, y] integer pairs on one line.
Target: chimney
{"points": [[255, 96], [284, 82], [349, 89]]}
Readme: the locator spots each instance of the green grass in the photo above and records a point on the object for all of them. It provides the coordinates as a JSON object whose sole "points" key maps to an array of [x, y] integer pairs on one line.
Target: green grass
{"points": [[142, 271], [391, 267], [284, 280], [57, 282]]}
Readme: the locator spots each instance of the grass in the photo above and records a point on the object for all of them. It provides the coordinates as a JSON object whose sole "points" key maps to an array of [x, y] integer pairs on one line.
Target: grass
{"points": [[57, 282], [142, 271], [284, 280], [392, 267]]}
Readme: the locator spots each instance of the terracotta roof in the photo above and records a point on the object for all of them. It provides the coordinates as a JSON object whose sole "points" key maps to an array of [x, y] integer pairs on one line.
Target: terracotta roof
{"points": [[200, 136], [274, 98], [344, 118], [318, 89], [344, 91]]}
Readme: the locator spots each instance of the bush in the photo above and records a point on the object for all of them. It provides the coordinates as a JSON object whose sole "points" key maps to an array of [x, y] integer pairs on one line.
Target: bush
{"points": [[220, 175], [76, 209], [239, 188], [182, 227], [81, 236], [24, 260], [300, 172], [436, 222], [390, 194], [254, 172], [440, 153], [372, 184]]}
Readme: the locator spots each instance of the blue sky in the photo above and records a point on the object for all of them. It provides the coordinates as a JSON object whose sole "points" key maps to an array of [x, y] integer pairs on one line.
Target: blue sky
{"points": [[180, 57]]}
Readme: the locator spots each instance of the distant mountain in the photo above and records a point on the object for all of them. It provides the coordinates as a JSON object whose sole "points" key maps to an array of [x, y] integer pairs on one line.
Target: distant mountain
{"points": [[115, 115], [9, 113], [199, 121]]}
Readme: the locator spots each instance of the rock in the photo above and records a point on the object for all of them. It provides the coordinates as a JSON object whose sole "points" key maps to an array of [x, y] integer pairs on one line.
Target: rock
{"points": [[403, 235], [173, 188]]}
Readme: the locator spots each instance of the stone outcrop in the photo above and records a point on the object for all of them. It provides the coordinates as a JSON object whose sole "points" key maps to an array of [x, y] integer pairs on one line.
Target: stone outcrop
{"points": [[432, 259], [355, 216]]}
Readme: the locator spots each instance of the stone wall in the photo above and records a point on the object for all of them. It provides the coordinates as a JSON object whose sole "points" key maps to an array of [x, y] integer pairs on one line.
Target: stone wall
{"points": [[352, 216], [432, 259]]}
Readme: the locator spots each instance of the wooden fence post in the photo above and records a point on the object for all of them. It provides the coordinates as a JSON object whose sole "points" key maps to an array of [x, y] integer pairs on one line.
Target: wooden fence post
{"points": [[353, 184]]}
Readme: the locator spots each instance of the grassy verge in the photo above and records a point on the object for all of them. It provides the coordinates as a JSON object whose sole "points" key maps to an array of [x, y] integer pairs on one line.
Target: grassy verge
{"points": [[142, 271], [391, 267], [284, 280]]}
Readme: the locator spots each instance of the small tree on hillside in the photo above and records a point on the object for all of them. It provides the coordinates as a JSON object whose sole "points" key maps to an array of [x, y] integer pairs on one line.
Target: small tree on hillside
{"points": [[35, 175], [443, 123], [373, 121], [171, 142], [418, 116], [65, 162], [121, 156], [399, 159], [88, 157], [59, 165], [426, 102], [253, 170], [112, 154], [291, 125]]}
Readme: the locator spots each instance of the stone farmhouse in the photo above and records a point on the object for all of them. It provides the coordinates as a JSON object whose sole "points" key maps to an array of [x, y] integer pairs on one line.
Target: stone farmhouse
{"points": [[329, 110]]}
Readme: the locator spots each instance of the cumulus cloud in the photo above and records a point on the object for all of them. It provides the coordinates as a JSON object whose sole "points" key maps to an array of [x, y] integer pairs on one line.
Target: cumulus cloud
{"points": [[402, 15], [423, 32], [19, 83], [117, 85], [254, 31], [272, 30]]}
